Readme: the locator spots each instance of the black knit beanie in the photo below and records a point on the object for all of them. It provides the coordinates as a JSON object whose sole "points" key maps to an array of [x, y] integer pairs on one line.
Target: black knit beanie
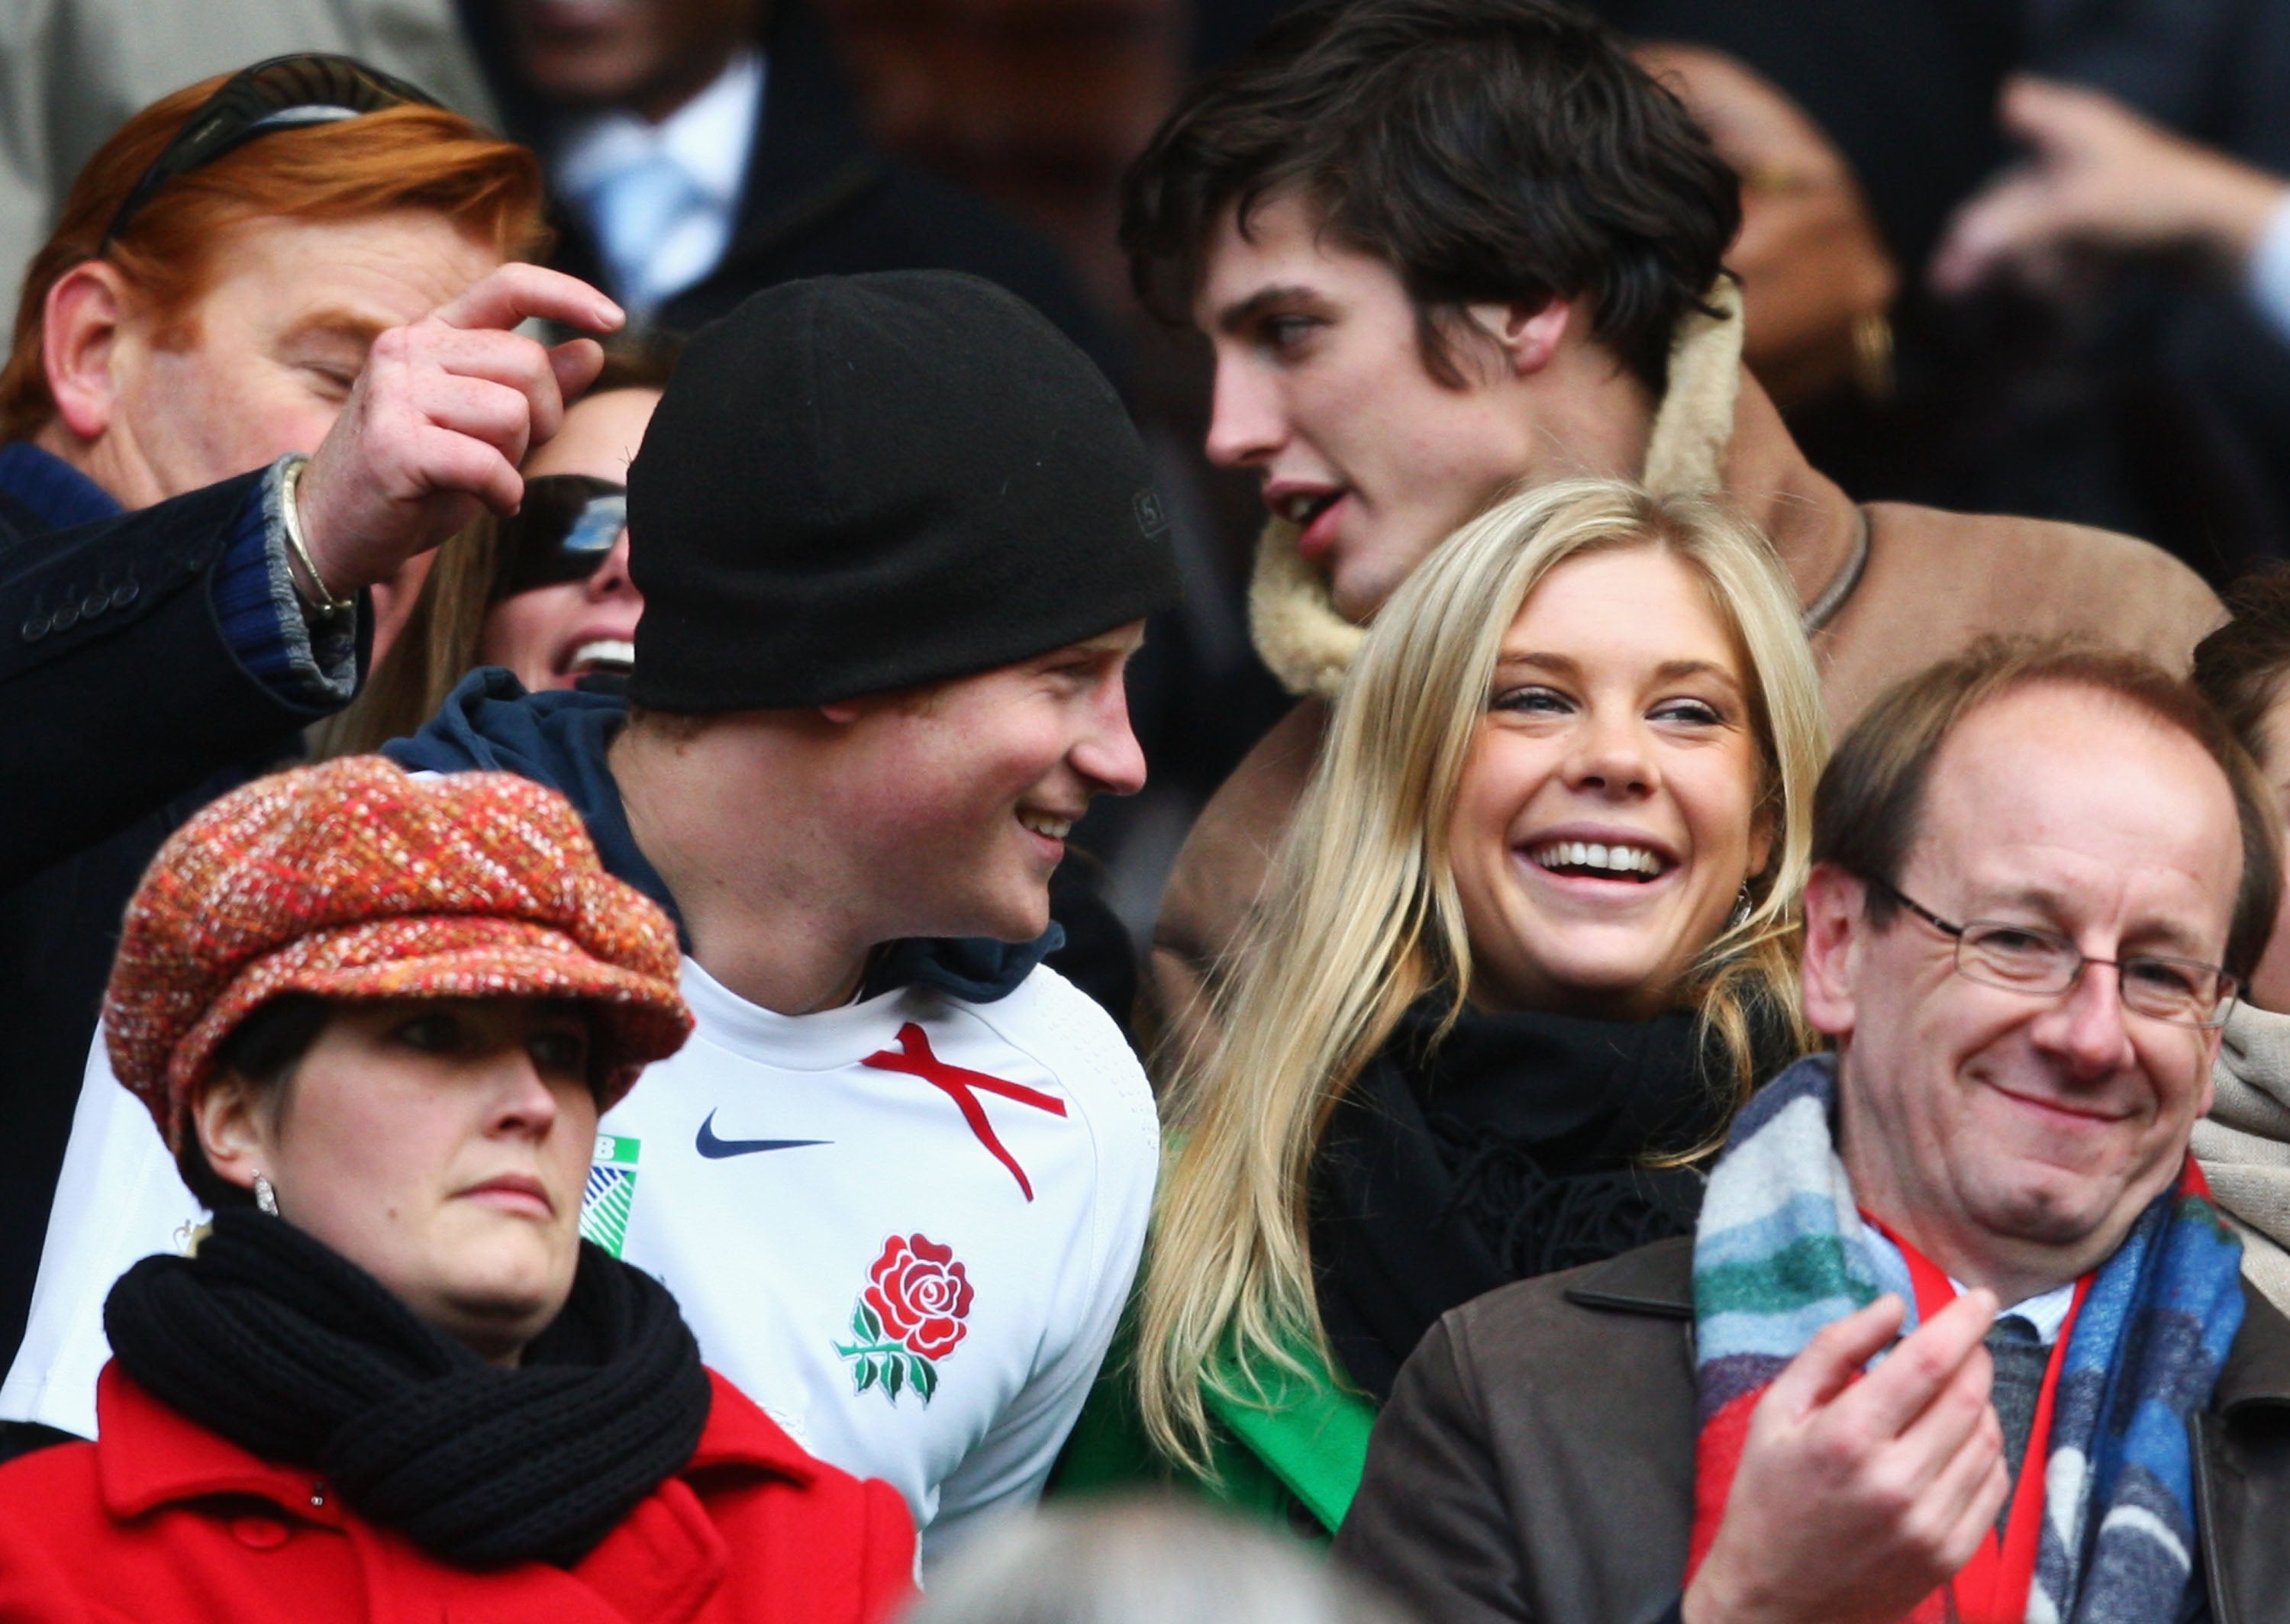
{"points": [[857, 484]]}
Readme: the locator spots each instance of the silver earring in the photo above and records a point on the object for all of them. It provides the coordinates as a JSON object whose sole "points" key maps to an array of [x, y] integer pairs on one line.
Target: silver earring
{"points": [[266, 1199], [1742, 906]]}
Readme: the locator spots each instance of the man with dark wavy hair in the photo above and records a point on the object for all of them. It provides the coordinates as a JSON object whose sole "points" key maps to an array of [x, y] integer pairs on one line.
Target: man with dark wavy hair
{"points": [[1445, 247]]}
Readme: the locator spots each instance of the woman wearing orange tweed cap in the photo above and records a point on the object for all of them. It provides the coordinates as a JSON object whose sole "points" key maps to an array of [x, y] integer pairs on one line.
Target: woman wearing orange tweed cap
{"points": [[376, 1017]]}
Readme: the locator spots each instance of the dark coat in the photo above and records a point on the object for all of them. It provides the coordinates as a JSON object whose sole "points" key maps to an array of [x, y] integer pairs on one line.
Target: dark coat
{"points": [[819, 198], [163, 1520], [1536, 1460], [123, 710], [117, 688]]}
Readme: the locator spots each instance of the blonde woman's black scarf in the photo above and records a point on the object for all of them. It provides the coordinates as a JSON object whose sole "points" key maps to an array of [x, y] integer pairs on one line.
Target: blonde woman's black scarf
{"points": [[272, 1339], [1512, 1148]]}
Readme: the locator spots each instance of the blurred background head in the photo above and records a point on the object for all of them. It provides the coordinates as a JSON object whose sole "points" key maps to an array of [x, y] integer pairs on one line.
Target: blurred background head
{"points": [[647, 55], [1143, 1561]]}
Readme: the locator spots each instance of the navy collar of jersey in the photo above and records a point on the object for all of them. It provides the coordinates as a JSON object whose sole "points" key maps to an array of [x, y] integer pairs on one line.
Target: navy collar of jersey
{"points": [[52, 492], [559, 737]]}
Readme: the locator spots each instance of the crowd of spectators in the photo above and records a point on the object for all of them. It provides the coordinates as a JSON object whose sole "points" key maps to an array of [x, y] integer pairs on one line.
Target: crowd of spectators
{"points": [[1460, 810]]}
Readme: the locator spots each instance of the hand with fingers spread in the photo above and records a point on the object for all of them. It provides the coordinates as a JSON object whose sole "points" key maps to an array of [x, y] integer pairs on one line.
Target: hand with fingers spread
{"points": [[443, 414], [2099, 176], [1855, 1500]]}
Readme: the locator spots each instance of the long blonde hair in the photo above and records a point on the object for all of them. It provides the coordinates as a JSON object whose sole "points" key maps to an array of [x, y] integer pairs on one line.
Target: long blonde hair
{"points": [[1361, 918]]}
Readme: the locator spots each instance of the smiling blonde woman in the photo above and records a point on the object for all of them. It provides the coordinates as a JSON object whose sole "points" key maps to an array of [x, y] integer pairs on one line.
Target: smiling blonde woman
{"points": [[1529, 942]]}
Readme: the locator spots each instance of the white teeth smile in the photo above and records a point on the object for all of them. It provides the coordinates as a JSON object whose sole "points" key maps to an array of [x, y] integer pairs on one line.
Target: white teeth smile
{"points": [[605, 652], [1605, 859], [1056, 828], [1305, 507]]}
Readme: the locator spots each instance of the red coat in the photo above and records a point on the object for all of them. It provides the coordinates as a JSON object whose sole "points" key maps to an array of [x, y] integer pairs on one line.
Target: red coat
{"points": [[161, 1521]]}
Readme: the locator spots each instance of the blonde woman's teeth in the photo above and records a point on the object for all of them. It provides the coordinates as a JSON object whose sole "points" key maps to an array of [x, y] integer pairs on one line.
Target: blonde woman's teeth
{"points": [[1605, 859]]}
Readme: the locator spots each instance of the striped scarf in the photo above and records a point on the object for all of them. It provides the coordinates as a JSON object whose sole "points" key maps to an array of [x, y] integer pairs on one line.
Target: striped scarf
{"points": [[1780, 1252]]}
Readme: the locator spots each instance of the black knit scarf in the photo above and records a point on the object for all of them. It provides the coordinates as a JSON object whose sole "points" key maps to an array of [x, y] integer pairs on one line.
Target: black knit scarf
{"points": [[272, 1339], [1512, 1148]]}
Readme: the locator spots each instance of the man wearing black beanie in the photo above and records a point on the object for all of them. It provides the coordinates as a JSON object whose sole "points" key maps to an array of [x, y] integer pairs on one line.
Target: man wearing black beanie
{"points": [[897, 541]]}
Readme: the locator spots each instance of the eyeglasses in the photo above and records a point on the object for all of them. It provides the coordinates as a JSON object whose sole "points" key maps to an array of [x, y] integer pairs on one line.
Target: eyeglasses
{"points": [[2020, 958], [285, 93], [564, 531]]}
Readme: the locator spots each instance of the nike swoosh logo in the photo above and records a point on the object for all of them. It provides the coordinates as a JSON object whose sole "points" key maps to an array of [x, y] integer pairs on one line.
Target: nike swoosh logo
{"points": [[715, 1150]]}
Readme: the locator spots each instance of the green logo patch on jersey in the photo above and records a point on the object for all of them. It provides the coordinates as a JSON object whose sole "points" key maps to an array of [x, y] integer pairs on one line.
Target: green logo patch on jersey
{"points": [[612, 1192]]}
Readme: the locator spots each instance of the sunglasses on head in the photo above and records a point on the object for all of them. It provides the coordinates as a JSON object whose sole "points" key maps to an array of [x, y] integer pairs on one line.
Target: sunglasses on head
{"points": [[285, 93], [564, 531]]}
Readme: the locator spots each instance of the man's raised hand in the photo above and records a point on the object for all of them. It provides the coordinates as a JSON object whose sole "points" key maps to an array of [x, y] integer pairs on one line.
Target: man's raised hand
{"points": [[1856, 1499], [440, 419]]}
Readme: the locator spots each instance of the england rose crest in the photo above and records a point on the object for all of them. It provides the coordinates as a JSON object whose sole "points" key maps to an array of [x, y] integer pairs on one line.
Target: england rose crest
{"points": [[912, 1313]]}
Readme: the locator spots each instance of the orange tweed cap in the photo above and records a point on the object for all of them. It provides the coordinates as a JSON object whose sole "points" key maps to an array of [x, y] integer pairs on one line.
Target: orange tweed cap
{"points": [[351, 880]]}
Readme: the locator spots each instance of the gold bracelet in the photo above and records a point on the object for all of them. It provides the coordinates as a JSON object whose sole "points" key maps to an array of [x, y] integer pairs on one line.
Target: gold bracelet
{"points": [[289, 485]]}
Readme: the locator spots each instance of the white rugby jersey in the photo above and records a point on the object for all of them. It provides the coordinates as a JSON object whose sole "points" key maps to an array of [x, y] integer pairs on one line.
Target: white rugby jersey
{"points": [[905, 1228]]}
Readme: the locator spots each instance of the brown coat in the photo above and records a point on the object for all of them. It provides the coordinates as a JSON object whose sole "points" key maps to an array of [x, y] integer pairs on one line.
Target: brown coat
{"points": [[1933, 582], [1536, 1460]]}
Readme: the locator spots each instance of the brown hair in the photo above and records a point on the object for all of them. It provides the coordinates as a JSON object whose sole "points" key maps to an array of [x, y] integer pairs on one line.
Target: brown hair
{"points": [[437, 645], [1489, 150], [1867, 811], [402, 158], [2240, 667]]}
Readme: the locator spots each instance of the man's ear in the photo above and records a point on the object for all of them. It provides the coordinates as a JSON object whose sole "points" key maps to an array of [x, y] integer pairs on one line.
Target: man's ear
{"points": [[79, 331], [233, 1125], [1527, 335], [1835, 921]]}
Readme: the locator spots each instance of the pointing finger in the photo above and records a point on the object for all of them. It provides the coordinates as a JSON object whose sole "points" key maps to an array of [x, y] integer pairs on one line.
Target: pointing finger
{"points": [[518, 292]]}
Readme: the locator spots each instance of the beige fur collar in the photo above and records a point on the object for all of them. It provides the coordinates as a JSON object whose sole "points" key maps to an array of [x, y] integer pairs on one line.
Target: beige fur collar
{"points": [[1308, 646]]}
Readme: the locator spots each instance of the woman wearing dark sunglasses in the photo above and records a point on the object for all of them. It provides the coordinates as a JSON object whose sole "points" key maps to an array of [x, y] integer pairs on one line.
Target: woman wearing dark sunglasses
{"points": [[546, 592]]}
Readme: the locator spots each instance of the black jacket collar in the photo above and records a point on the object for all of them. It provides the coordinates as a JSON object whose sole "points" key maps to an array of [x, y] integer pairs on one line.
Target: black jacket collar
{"points": [[811, 157]]}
